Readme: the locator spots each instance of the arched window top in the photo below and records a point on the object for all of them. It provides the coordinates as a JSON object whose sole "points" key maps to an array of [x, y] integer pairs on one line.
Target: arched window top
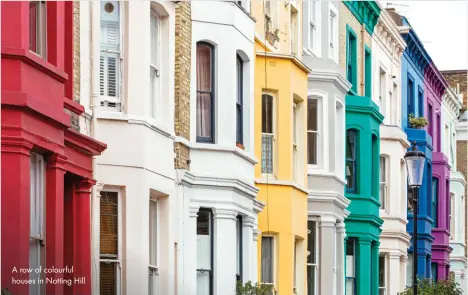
{"points": [[242, 55], [205, 92], [159, 9]]}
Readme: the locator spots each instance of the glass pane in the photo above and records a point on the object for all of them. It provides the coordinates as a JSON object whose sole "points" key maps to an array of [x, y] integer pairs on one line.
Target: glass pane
{"points": [[109, 223], [350, 144], [239, 124], [311, 242], [267, 113], [153, 218], [312, 148], [312, 120], [239, 245], [203, 67], [267, 260], [311, 275], [34, 263], [33, 25], [382, 194], [382, 271], [204, 240], [203, 283], [382, 169], [350, 174], [204, 114], [154, 39], [267, 153], [350, 286], [239, 80], [108, 278]]}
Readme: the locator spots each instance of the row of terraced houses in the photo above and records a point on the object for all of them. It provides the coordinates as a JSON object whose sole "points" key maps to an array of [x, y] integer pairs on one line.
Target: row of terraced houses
{"points": [[171, 147]]}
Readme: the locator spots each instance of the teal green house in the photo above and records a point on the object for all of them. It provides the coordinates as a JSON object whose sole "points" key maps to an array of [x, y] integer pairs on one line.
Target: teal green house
{"points": [[363, 119]]}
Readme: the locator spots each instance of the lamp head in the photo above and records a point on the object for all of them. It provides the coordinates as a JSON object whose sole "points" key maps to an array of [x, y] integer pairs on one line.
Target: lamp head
{"points": [[415, 161]]}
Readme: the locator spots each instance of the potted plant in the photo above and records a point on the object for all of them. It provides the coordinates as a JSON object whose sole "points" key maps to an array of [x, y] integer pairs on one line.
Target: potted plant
{"points": [[442, 287], [417, 122], [250, 289]]}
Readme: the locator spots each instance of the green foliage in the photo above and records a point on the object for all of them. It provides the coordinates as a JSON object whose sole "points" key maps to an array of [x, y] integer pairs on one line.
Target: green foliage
{"points": [[250, 289], [417, 122], [428, 287], [6, 292]]}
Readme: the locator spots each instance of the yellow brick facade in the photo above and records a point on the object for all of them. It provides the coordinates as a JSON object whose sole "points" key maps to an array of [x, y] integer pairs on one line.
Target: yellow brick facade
{"points": [[284, 217], [364, 39]]}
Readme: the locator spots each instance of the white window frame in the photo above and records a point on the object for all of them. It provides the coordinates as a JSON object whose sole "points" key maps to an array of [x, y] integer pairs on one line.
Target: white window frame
{"points": [[383, 93], [333, 34], [294, 32], [313, 21], [319, 130], [41, 29], [316, 264], [153, 269], [384, 183], [37, 227], [295, 267], [155, 64], [452, 216], [274, 264], [354, 277], [118, 259], [118, 100], [273, 135], [385, 269]]}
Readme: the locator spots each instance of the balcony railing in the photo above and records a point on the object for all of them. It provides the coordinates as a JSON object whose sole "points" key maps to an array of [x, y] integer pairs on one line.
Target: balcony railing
{"points": [[267, 153]]}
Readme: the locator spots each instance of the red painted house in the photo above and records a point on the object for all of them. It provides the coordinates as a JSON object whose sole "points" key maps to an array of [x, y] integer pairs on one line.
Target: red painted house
{"points": [[46, 165]]}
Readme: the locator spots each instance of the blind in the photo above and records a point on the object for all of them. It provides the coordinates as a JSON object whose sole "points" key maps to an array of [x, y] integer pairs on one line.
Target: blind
{"points": [[109, 223]]}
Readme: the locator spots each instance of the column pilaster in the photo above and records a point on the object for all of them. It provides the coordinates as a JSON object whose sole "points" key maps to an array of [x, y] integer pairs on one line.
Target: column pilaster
{"points": [[55, 173], [190, 250], [364, 279], [394, 286], [327, 257], [249, 259], [375, 267], [340, 257]]}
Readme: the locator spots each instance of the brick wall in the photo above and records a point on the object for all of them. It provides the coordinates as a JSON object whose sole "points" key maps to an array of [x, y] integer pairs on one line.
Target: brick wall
{"points": [[183, 51], [75, 119], [364, 38], [462, 153], [458, 76]]}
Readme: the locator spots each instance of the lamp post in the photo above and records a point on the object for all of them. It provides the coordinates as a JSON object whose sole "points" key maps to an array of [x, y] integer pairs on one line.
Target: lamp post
{"points": [[415, 161]]}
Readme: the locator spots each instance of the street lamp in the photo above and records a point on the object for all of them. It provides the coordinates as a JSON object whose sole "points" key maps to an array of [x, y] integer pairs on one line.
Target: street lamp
{"points": [[415, 161]]}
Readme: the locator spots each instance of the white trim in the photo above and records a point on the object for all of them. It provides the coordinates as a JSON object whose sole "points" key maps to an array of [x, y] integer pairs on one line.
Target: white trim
{"points": [[336, 50], [153, 269], [316, 254], [336, 77]]}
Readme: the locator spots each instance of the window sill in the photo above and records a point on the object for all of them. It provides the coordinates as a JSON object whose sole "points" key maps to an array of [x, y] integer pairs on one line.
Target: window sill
{"points": [[216, 147]]}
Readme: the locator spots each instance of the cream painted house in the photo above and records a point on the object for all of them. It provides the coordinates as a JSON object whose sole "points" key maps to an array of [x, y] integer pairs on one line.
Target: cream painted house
{"points": [[387, 50]]}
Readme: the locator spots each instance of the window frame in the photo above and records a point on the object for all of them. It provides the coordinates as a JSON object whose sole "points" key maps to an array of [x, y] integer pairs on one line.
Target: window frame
{"points": [[430, 114], [434, 201], [351, 59], [384, 159], [382, 92], [452, 216], [210, 139], [367, 72], [38, 217], [40, 47], [273, 264], [153, 269], [384, 257], [410, 98], [313, 265], [333, 34], [319, 117], [240, 249], [272, 135], [353, 278], [420, 101], [295, 143], [240, 101], [355, 161], [155, 83], [211, 234], [313, 21], [104, 258]]}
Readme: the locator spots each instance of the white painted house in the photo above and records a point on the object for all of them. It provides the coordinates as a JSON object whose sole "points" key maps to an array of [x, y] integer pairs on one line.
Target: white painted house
{"points": [[451, 104], [127, 86], [387, 50], [327, 88], [218, 206]]}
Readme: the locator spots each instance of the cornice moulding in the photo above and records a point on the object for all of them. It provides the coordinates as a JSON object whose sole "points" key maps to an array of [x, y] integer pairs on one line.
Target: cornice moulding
{"points": [[334, 77]]}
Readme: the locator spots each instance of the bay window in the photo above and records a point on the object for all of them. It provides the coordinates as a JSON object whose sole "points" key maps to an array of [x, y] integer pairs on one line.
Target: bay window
{"points": [[109, 274], [38, 28], [351, 161], [37, 221], [155, 52], [205, 92], [153, 276], [267, 134], [109, 60], [312, 258], [312, 131], [205, 252]]}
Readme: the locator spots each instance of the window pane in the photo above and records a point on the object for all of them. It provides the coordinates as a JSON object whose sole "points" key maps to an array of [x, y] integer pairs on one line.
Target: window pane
{"points": [[203, 283], [349, 286], [311, 241], [382, 169], [34, 263], [267, 153], [267, 113], [435, 195], [154, 39], [382, 271], [311, 275], [267, 259], [350, 174], [33, 7], [312, 147], [153, 219], [350, 144], [239, 245], [239, 80], [312, 115], [240, 89], [204, 114], [204, 240], [109, 223], [108, 278], [204, 67]]}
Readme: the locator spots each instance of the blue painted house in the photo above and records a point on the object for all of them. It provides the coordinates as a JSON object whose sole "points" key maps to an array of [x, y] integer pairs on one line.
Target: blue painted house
{"points": [[414, 62]]}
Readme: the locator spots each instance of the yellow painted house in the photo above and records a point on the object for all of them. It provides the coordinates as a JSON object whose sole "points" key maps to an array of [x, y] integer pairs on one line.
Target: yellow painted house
{"points": [[280, 145]]}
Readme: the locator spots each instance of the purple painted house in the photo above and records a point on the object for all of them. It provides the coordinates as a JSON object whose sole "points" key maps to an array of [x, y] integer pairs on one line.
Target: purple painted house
{"points": [[435, 85]]}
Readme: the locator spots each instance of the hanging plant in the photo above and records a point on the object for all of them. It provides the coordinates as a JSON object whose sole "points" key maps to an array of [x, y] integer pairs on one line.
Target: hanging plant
{"points": [[417, 122], [250, 289]]}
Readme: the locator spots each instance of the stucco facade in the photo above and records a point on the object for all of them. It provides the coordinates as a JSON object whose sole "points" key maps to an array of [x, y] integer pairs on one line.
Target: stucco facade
{"points": [[134, 205], [280, 91], [387, 49], [219, 207], [327, 204], [363, 119]]}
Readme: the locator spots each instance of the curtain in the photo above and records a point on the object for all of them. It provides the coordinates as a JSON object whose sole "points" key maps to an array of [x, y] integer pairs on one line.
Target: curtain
{"points": [[204, 90]]}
